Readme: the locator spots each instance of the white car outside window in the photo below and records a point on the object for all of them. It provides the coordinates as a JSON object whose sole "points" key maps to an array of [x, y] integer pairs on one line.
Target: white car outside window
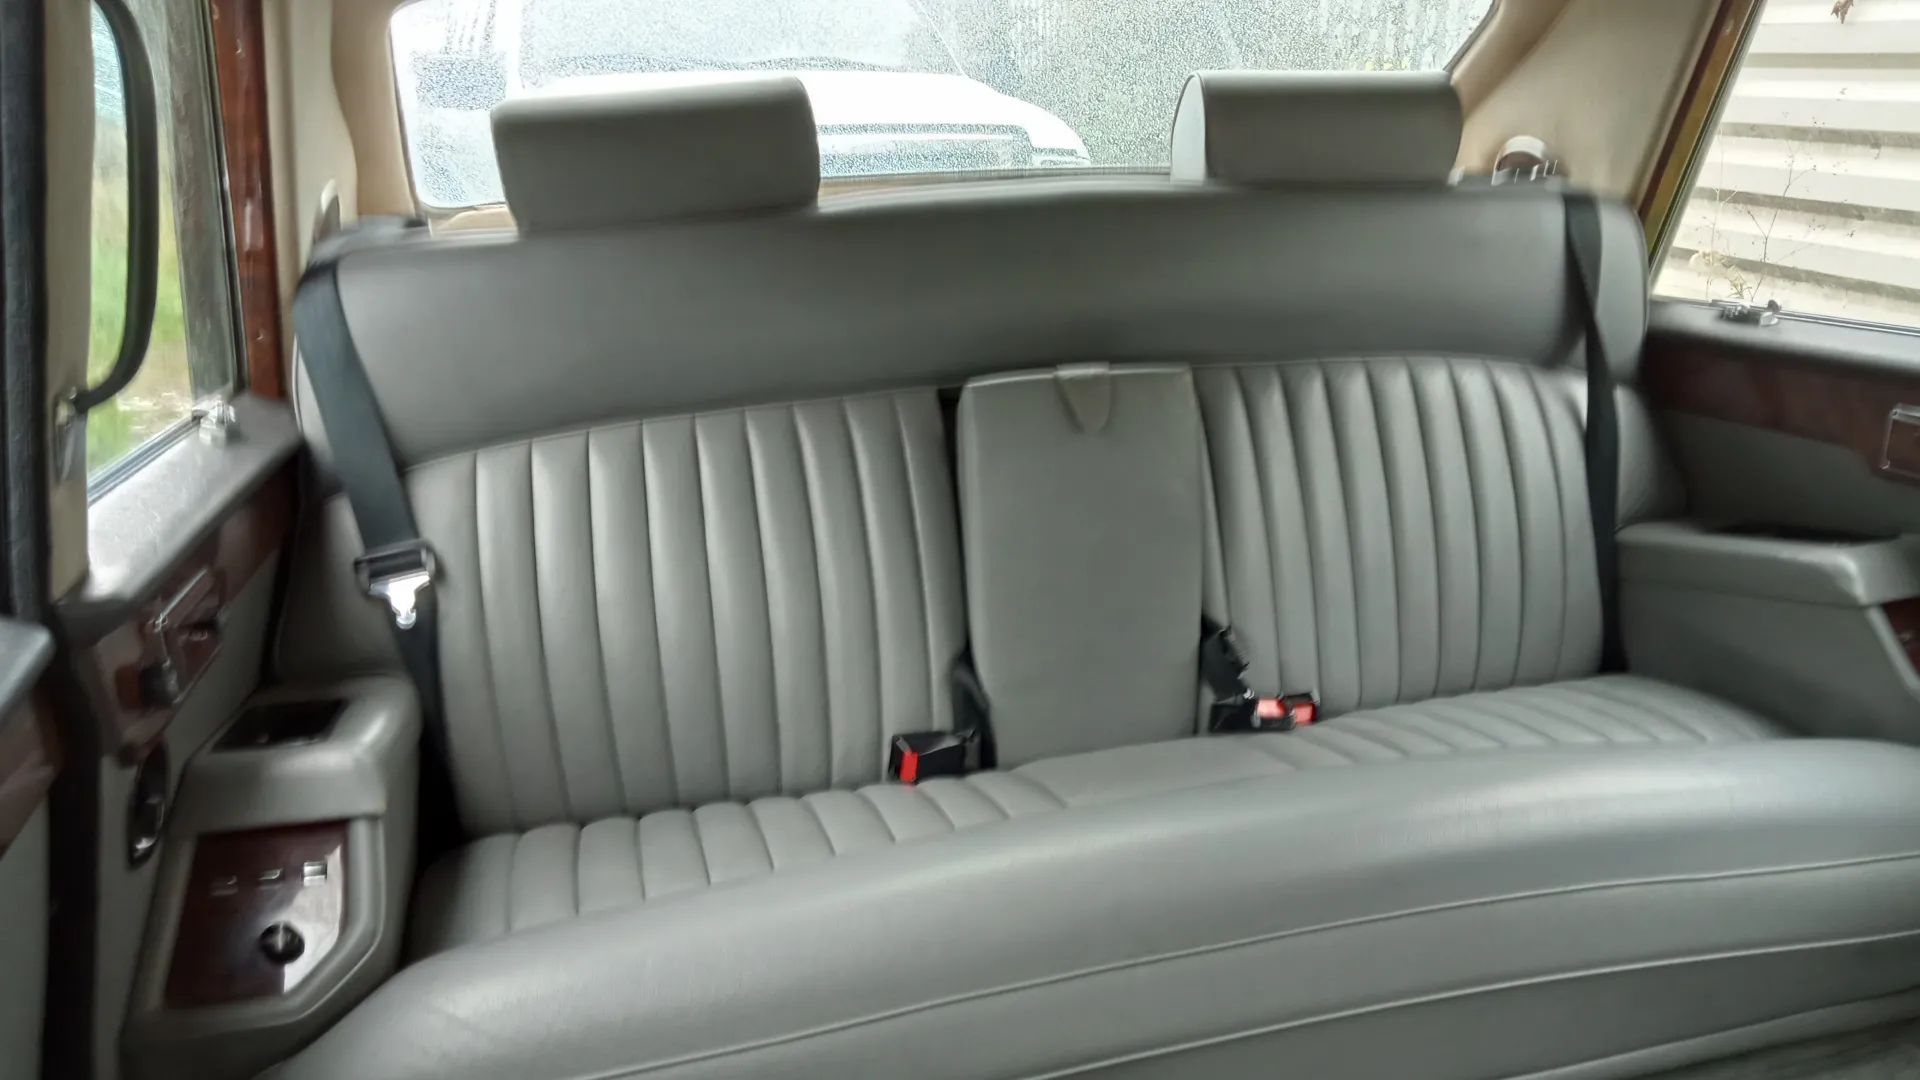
{"points": [[898, 86]]}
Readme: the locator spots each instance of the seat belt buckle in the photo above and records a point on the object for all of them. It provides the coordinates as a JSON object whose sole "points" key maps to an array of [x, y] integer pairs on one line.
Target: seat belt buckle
{"points": [[1236, 713], [1286, 712], [924, 755], [1253, 713], [398, 574]]}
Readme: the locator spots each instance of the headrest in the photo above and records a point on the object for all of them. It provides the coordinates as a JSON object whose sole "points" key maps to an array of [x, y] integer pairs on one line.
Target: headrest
{"points": [[702, 147], [1283, 127]]}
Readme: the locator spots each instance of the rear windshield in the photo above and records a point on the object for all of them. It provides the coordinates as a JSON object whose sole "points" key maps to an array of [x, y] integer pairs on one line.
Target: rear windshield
{"points": [[898, 86]]}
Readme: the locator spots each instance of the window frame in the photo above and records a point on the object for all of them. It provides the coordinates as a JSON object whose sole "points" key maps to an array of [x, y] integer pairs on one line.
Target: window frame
{"points": [[145, 128], [1724, 53]]}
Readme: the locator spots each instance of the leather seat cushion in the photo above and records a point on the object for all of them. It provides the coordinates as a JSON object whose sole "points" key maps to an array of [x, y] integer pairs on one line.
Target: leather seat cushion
{"points": [[512, 882], [1518, 911]]}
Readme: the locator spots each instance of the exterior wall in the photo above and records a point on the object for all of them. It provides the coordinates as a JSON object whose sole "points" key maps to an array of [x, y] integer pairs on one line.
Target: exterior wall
{"points": [[1810, 192]]}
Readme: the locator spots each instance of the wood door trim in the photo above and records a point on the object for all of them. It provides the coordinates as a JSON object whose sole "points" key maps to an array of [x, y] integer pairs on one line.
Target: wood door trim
{"points": [[217, 957], [1831, 402], [240, 62], [223, 564], [29, 760]]}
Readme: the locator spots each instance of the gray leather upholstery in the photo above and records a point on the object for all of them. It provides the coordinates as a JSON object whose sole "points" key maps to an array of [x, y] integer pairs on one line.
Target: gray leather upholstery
{"points": [[1395, 530], [1081, 493], [932, 287], [724, 606], [1480, 916], [1292, 127], [517, 881], [738, 144], [676, 638], [511, 882]]}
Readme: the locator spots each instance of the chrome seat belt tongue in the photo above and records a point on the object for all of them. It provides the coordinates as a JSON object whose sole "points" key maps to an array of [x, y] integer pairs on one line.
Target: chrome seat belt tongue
{"points": [[398, 574]]}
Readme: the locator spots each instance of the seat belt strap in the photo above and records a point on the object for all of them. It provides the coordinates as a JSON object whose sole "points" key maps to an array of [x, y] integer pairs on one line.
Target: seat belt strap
{"points": [[1603, 423], [398, 567]]}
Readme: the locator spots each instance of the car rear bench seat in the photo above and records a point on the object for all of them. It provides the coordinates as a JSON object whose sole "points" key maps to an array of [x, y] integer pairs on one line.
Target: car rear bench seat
{"points": [[706, 557]]}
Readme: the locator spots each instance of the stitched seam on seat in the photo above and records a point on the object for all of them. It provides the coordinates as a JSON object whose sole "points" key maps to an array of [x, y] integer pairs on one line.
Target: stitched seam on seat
{"points": [[1508, 985], [1266, 525], [1625, 689], [1346, 731], [1393, 539], [700, 845], [640, 859], [1575, 696], [1519, 709], [540, 641], [819, 823], [1519, 524], [486, 641], [1006, 812], [513, 857], [600, 634], [878, 654], [1651, 704], [659, 659], [1422, 429], [1472, 721], [622, 425], [1318, 738], [809, 461], [1568, 580], [760, 833], [866, 800], [713, 610], [1453, 704], [1394, 545], [1569, 695], [1281, 935], [951, 823], [766, 598], [1433, 518], [1634, 692], [1425, 723], [1041, 786], [1269, 748], [579, 837], [1473, 522], [914, 490], [1387, 733], [1334, 427], [1566, 704], [1557, 707]]}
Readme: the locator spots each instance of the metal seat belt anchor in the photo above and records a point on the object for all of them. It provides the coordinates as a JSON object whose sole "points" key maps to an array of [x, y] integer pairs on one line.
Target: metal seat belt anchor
{"points": [[398, 574]]}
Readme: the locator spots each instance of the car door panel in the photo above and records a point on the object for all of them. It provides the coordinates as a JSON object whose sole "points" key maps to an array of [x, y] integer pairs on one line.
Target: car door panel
{"points": [[1787, 424], [29, 761], [1792, 584], [168, 639]]}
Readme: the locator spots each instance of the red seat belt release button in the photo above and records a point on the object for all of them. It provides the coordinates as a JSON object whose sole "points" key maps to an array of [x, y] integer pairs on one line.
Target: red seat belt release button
{"points": [[1305, 708], [927, 754], [1286, 712]]}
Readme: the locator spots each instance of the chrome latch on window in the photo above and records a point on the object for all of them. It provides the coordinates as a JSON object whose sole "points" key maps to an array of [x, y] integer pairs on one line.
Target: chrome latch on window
{"points": [[398, 575], [1740, 311], [215, 422]]}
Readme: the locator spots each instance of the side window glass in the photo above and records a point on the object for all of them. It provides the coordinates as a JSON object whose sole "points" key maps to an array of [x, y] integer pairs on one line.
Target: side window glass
{"points": [[1808, 192], [191, 352]]}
